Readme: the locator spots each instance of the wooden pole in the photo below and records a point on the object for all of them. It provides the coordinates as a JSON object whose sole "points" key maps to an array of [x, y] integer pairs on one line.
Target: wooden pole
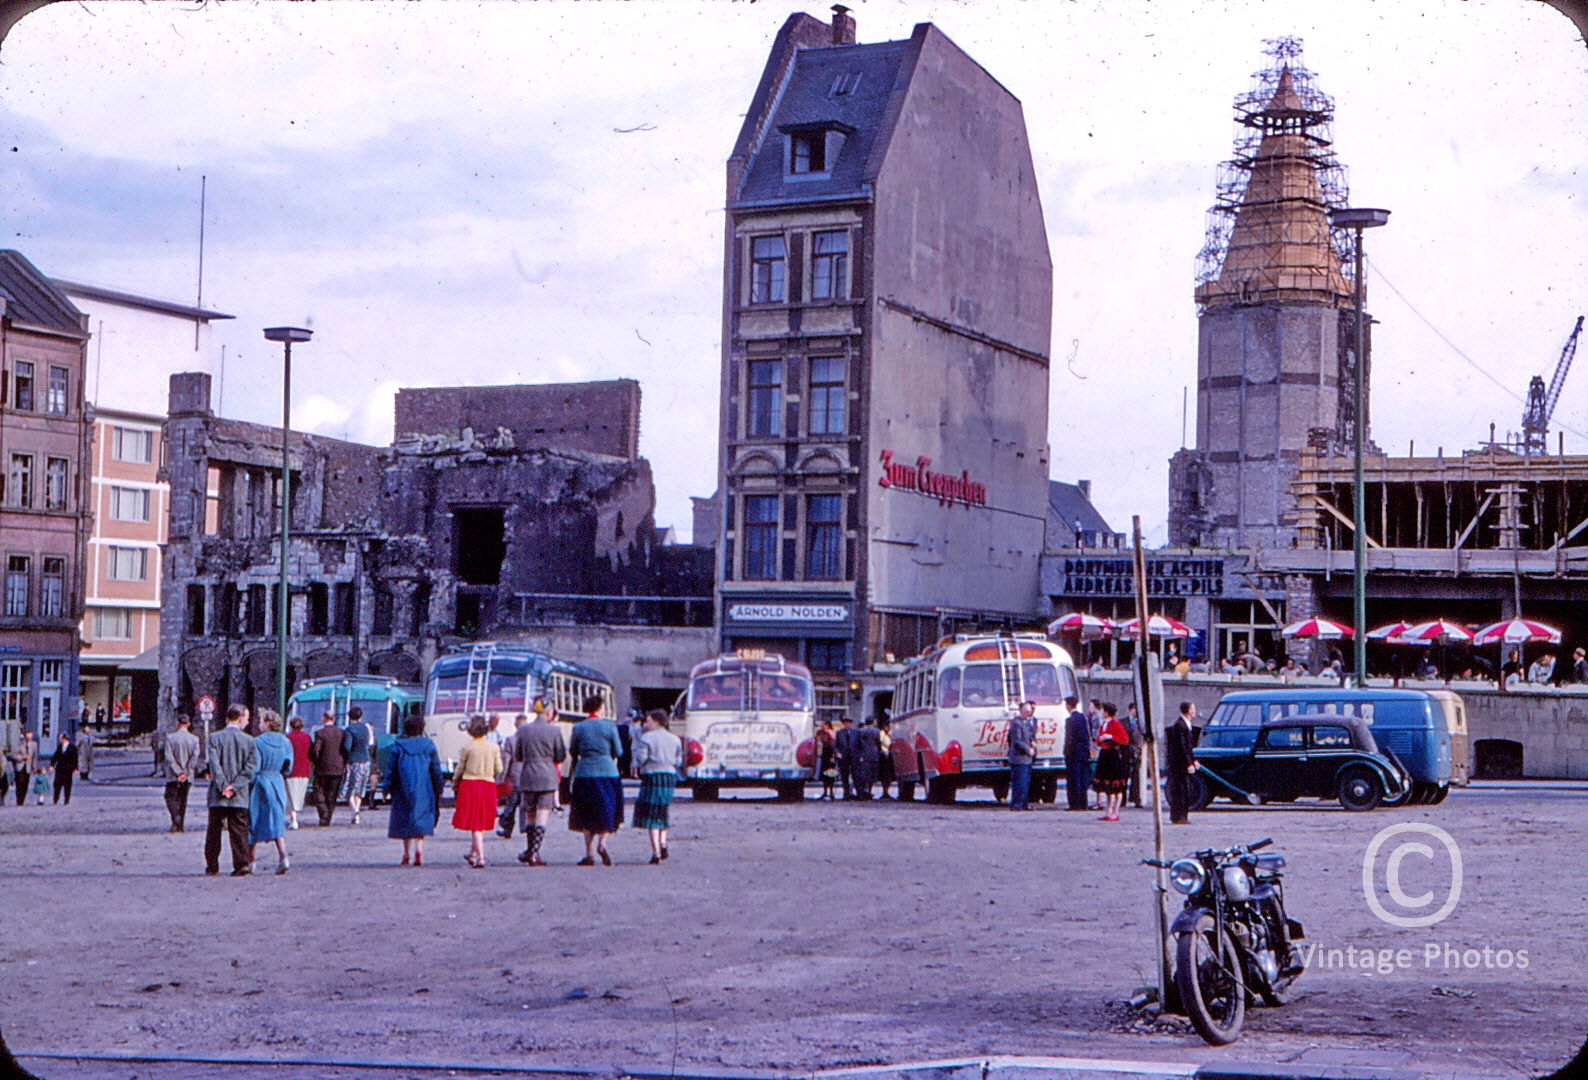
{"points": [[1149, 722]]}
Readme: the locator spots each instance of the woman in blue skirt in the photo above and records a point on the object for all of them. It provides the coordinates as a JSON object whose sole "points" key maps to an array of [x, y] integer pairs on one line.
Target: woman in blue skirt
{"points": [[267, 798], [658, 759], [597, 793]]}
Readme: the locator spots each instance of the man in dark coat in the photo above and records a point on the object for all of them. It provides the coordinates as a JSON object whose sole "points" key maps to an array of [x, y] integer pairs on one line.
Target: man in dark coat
{"points": [[233, 761], [328, 753], [846, 750], [1180, 764], [1077, 755], [1022, 752], [868, 758], [1135, 752]]}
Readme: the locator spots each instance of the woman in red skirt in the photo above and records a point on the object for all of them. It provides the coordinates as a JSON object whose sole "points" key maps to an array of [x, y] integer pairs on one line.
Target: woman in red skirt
{"points": [[478, 767], [1112, 777]]}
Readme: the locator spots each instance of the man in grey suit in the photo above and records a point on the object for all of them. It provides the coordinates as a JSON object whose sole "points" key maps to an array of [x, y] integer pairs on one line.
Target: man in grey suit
{"points": [[179, 764], [533, 754], [234, 759]]}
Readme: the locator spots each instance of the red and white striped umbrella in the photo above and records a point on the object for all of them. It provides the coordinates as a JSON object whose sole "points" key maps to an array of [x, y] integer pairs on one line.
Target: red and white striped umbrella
{"points": [[1322, 629], [1439, 630], [1082, 625], [1157, 626], [1391, 633], [1516, 632]]}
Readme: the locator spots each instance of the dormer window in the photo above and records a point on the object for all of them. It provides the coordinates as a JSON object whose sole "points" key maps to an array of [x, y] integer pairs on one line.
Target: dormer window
{"points": [[809, 152], [812, 149]]}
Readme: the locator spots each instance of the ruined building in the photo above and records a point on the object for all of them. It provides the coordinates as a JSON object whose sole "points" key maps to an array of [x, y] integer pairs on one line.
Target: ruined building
{"points": [[887, 298], [1276, 338], [498, 512]]}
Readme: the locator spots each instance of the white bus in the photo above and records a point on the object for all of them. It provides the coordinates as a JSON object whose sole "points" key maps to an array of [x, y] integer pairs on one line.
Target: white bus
{"points": [[749, 720], [951, 710], [503, 679]]}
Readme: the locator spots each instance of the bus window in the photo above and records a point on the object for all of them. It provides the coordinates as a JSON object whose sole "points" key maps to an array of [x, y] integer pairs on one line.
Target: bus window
{"points": [[449, 694], [1048, 685], [948, 689], [783, 692], [375, 710], [506, 692], [717, 692], [984, 685]]}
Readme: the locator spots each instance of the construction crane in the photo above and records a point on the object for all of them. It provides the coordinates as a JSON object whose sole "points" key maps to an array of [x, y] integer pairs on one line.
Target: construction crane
{"points": [[1541, 402]]}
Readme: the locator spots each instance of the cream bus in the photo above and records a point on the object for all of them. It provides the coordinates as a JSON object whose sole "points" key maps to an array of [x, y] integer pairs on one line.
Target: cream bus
{"points": [[749, 720], [951, 710], [503, 679]]}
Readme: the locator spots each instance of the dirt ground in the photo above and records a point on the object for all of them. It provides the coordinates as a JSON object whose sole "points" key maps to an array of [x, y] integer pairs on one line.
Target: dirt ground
{"points": [[777, 936]]}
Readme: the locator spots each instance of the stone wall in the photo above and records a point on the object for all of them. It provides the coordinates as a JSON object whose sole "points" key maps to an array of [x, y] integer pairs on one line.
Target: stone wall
{"points": [[1550, 725], [595, 417]]}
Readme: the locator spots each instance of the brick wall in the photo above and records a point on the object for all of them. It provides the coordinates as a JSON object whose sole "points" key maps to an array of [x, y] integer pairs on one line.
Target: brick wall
{"points": [[595, 417]]}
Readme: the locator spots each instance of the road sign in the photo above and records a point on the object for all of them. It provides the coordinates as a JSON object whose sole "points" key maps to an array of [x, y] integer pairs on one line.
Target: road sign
{"points": [[206, 707]]}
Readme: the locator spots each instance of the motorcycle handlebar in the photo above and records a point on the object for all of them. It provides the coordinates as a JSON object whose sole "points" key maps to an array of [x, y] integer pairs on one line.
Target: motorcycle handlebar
{"points": [[1261, 844]]}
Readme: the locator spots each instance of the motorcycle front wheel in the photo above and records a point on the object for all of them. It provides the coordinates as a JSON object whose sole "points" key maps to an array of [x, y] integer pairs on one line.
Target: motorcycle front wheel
{"points": [[1208, 975]]}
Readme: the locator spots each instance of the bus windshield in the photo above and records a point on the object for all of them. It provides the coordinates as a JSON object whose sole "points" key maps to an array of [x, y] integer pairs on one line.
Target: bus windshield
{"points": [[717, 692], [1048, 685], [785, 693]]}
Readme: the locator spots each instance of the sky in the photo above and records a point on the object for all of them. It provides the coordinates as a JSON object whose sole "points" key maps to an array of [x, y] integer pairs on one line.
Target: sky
{"points": [[456, 193]]}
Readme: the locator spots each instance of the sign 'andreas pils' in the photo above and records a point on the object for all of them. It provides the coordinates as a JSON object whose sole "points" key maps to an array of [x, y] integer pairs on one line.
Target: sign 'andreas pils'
{"points": [[943, 487]]}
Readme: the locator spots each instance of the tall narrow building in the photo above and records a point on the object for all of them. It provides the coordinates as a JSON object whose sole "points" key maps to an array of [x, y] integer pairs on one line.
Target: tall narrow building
{"points": [[887, 300], [1275, 324]]}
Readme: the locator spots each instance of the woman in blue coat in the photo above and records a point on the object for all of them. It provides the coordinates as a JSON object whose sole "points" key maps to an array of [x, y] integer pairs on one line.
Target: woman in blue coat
{"points": [[267, 798], [413, 782]]}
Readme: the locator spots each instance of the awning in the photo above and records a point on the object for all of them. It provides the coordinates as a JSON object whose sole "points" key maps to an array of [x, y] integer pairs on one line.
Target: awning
{"points": [[148, 660]]}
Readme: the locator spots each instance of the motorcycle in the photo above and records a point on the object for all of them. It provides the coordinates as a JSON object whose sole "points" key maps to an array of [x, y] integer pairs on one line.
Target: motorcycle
{"points": [[1232, 938]]}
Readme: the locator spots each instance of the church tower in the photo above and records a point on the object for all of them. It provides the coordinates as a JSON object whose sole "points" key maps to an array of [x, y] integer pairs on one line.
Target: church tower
{"points": [[1275, 324]]}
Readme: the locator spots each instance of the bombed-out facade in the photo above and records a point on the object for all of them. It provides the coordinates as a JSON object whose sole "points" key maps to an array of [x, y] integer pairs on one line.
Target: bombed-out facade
{"points": [[497, 512]]}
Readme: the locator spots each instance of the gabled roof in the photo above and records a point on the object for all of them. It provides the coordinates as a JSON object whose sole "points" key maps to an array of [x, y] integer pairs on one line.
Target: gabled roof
{"points": [[1067, 501], [806, 98], [33, 299]]}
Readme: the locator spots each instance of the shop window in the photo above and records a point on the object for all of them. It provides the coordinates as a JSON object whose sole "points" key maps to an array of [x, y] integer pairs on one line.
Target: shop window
{"points": [[55, 391], [827, 396], [22, 383], [19, 582], [830, 265], [56, 472], [14, 677], [824, 529], [133, 445], [768, 270], [766, 398], [19, 487], [760, 537], [827, 655], [52, 587]]}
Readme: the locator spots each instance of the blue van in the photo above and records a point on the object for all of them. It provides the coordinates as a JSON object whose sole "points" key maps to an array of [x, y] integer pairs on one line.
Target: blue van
{"points": [[1419, 727]]}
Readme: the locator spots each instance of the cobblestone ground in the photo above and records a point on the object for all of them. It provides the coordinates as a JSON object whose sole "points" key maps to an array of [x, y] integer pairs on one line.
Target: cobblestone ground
{"points": [[777, 936]]}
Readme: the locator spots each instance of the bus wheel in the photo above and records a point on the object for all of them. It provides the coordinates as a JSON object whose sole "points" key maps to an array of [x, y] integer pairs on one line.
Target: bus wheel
{"points": [[1000, 790], [791, 791], [906, 790], [940, 791], [704, 792], [1048, 789]]}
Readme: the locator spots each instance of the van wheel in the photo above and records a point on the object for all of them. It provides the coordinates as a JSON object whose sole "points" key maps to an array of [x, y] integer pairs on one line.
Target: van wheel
{"points": [[705, 792], [940, 791], [1439, 795], [1199, 793], [1359, 790]]}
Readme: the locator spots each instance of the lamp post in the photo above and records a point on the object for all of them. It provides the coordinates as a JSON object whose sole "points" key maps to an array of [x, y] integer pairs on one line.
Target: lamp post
{"points": [[286, 335], [1357, 219]]}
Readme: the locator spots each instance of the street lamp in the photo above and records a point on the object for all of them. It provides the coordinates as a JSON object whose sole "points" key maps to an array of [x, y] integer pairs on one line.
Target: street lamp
{"points": [[1357, 219], [286, 335]]}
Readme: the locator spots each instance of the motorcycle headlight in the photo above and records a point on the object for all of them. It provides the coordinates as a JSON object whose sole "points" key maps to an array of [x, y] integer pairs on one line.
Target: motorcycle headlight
{"points": [[1187, 876], [1237, 886]]}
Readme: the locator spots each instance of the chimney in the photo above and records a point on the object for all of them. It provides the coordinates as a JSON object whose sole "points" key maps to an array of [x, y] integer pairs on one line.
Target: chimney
{"points": [[1086, 489], [843, 26]]}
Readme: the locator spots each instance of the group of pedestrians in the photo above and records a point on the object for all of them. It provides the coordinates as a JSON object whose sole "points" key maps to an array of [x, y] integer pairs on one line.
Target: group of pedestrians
{"points": [[1103, 756], [247, 791], [530, 761], [854, 758], [23, 771]]}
